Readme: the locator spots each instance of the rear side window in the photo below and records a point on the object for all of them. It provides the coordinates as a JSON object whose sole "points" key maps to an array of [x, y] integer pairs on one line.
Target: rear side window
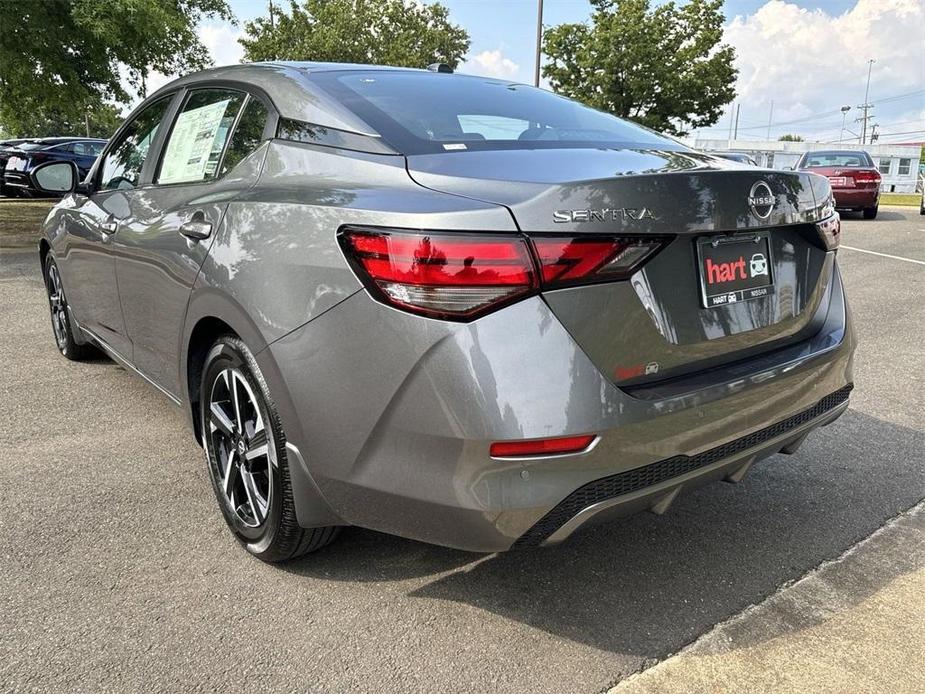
{"points": [[247, 135], [87, 149], [122, 165], [194, 148]]}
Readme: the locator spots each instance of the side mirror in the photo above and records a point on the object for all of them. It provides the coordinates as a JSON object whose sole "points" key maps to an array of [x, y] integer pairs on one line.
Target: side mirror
{"points": [[55, 177]]}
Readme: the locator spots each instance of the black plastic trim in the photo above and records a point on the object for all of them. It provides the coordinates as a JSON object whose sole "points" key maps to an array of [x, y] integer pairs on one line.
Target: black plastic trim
{"points": [[655, 473]]}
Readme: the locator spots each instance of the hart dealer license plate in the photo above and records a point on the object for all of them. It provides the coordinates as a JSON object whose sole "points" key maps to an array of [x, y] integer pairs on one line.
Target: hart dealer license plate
{"points": [[734, 268]]}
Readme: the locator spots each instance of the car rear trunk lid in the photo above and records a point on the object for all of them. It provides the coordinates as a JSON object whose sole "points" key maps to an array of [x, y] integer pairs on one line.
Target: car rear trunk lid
{"points": [[662, 322]]}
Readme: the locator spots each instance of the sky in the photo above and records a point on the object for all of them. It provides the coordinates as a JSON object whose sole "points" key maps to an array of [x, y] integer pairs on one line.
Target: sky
{"points": [[810, 57]]}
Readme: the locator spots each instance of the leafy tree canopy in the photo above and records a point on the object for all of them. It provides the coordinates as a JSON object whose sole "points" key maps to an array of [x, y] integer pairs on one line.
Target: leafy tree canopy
{"points": [[663, 67], [380, 32], [790, 138], [59, 58]]}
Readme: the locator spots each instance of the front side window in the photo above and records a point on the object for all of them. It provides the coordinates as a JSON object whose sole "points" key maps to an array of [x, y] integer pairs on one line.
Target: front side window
{"points": [[247, 135], [122, 165], [904, 166], [884, 166], [194, 149]]}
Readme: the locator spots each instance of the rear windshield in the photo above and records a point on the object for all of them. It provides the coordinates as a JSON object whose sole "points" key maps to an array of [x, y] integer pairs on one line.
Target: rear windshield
{"points": [[823, 159], [421, 112], [31, 145]]}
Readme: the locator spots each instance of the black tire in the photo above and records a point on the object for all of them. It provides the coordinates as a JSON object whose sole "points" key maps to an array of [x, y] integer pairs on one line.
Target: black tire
{"points": [[871, 212], [259, 507], [61, 325]]}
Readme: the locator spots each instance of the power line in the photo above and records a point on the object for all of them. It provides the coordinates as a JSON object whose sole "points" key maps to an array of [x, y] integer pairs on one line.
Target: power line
{"points": [[825, 114]]}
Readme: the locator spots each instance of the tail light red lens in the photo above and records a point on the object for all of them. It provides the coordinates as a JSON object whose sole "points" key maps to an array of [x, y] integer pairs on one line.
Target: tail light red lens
{"points": [[537, 447], [866, 176], [442, 275], [459, 276], [581, 260]]}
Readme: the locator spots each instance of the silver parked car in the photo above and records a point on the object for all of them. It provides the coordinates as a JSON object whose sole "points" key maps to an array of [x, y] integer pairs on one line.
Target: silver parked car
{"points": [[446, 307]]}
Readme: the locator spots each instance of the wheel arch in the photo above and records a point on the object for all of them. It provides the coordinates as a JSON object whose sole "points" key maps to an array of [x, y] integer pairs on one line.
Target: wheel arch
{"points": [[44, 250], [212, 315]]}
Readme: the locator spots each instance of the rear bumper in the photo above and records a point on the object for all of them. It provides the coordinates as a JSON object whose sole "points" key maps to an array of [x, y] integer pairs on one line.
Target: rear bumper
{"points": [[654, 487], [394, 416], [856, 199]]}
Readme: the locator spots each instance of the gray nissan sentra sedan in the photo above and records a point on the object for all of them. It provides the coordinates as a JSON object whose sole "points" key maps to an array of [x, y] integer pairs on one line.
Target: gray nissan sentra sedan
{"points": [[450, 308]]}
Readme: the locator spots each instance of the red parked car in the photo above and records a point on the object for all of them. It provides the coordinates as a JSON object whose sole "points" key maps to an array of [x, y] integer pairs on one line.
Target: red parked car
{"points": [[854, 179]]}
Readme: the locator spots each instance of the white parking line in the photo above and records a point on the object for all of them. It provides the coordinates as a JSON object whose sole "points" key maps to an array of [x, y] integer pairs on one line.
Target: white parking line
{"points": [[884, 255]]}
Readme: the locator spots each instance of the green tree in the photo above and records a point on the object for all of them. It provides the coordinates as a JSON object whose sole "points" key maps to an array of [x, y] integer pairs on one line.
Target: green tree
{"points": [[790, 138], [663, 67], [61, 58], [98, 120], [380, 32]]}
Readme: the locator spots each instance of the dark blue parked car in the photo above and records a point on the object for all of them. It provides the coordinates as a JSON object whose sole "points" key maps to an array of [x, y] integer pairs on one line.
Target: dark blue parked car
{"points": [[20, 160]]}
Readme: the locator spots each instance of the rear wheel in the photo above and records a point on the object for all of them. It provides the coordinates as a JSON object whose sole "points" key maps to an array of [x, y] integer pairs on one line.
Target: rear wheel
{"points": [[246, 452], [60, 316], [871, 212]]}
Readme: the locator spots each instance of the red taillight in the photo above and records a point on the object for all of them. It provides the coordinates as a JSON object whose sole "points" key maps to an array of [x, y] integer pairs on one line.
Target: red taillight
{"points": [[870, 176], [458, 276], [536, 447], [579, 260], [443, 275]]}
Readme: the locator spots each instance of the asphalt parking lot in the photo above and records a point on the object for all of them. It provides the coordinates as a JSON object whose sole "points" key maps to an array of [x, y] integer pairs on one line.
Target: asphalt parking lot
{"points": [[118, 573]]}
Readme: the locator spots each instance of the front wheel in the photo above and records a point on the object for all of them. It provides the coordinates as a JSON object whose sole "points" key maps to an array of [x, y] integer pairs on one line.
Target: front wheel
{"points": [[246, 452], [60, 315], [871, 212]]}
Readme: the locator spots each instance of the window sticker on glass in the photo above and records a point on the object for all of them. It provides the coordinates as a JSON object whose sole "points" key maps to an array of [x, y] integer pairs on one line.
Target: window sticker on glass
{"points": [[188, 155]]}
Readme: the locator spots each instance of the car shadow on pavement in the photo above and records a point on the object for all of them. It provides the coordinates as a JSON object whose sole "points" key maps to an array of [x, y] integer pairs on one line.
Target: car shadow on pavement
{"points": [[650, 584], [883, 215]]}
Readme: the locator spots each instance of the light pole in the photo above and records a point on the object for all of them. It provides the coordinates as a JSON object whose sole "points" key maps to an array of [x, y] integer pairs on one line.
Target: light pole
{"points": [[844, 113], [539, 42]]}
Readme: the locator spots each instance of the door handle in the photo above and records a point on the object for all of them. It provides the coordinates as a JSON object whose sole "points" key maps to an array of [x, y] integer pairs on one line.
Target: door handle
{"points": [[196, 229]]}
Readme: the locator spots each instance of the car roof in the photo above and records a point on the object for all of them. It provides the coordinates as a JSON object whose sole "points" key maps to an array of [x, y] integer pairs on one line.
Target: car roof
{"points": [[59, 140], [835, 151], [290, 87]]}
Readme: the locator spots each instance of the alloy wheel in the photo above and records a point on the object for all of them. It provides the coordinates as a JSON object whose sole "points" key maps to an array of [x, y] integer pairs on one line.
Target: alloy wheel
{"points": [[58, 306], [243, 450]]}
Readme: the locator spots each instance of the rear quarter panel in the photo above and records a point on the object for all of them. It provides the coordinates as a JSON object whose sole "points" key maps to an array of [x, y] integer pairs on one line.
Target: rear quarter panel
{"points": [[276, 254]]}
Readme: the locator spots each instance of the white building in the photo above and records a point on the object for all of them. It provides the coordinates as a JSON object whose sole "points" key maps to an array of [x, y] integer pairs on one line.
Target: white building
{"points": [[898, 164]]}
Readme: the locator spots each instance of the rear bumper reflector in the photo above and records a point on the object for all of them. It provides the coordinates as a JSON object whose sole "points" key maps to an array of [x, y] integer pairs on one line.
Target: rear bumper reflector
{"points": [[542, 447]]}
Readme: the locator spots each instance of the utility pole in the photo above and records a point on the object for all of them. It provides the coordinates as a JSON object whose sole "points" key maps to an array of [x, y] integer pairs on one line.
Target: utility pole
{"points": [[770, 118], [735, 135], [539, 42], [866, 106], [844, 113], [87, 121], [731, 119]]}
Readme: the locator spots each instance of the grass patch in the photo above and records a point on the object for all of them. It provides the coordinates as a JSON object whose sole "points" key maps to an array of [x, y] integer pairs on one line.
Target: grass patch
{"points": [[911, 199], [21, 221]]}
